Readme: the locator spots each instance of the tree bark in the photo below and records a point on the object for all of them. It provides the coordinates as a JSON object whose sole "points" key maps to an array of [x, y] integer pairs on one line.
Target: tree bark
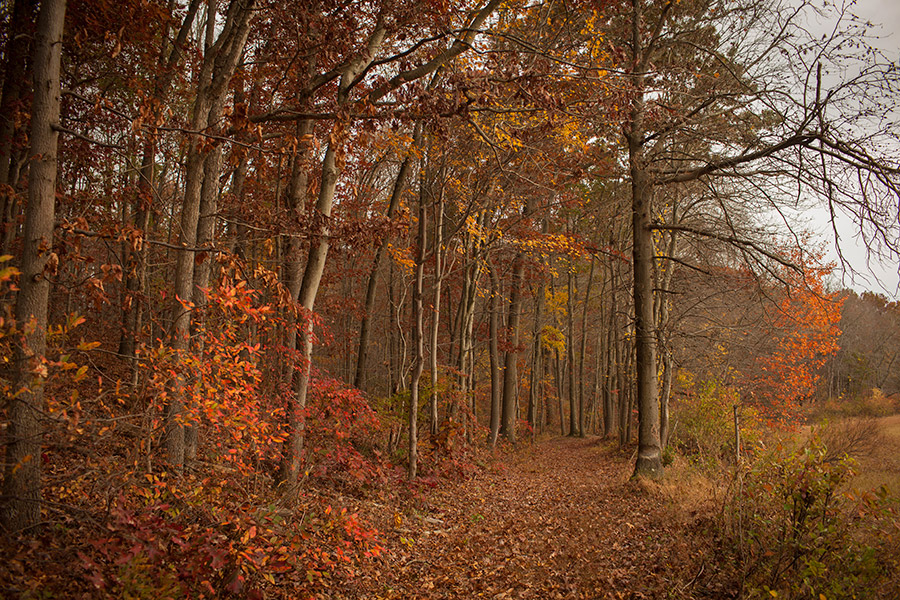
{"points": [[570, 353], [559, 392], [649, 460], [510, 370], [418, 337], [662, 320], [534, 392], [494, 355], [436, 310], [611, 383], [583, 351], [22, 476]]}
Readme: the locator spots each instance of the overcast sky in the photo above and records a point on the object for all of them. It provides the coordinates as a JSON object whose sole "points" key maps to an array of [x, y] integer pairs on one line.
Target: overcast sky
{"points": [[881, 278]]}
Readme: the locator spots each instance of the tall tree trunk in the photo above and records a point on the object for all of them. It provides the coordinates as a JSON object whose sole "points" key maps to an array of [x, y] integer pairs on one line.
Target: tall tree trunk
{"points": [[649, 460], [510, 370], [664, 399], [206, 224], [392, 334], [621, 395], [494, 354], [610, 370], [600, 372], [570, 352], [619, 358], [467, 315], [418, 336], [293, 260], [662, 320], [465, 341], [315, 267], [630, 390], [583, 351], [436, 310], [534, 392], [22, 473], [206, 228], [559, 391]]}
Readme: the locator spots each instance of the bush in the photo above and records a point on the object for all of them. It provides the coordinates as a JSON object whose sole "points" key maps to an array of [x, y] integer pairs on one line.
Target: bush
{"points": [[704, 423], [797, 534], [870, 404], [856, 438]]}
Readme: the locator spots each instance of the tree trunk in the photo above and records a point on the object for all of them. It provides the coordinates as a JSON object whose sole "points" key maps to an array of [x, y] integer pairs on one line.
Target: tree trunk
{"points": [[649, 460], [206, 228], [621, 400], [218, 67], [583, 351], [467, 316], [418, 337], [662, 320], [22, 473], [600, 372], [612, 358], [510, 370], [362, 354], [570, 353], [559, 392], [315, 267], [534, 393], [436, 311], [494, 353]]}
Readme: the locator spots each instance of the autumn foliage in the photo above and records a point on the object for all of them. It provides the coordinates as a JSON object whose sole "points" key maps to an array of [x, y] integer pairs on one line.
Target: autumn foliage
{"points": [[276, 276], [806, 329]]}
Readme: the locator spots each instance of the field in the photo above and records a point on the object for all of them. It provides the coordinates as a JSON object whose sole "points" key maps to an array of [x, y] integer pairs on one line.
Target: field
{"points": [[880, 463]]}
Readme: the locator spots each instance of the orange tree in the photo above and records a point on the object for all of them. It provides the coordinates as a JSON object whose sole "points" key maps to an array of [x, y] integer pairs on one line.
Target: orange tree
{"points": [[805, 332]]}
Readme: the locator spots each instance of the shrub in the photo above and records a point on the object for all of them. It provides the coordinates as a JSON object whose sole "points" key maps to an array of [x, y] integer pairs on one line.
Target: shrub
{"points": [[797, 534], [704, 423], [856, 438], [870, 404]]}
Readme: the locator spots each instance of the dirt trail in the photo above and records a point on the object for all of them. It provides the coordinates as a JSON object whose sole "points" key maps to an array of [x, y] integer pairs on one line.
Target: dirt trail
{"points": [[557, 520]]}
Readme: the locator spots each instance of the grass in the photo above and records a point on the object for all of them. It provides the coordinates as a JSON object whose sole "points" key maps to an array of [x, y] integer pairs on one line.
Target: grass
{"points": [[881, 466]]}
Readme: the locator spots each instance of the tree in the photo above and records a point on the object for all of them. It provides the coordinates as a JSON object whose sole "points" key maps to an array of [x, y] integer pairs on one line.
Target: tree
{"points": [[725, 92], [219, 64], [806, 330], [22, 475]]}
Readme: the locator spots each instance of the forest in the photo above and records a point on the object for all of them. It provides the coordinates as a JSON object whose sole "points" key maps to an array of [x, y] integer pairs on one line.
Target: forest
{"points": [[446, 299]]}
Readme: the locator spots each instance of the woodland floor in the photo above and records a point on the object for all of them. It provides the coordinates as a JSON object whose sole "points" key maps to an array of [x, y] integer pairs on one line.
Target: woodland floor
{"points": [[558, 519]]}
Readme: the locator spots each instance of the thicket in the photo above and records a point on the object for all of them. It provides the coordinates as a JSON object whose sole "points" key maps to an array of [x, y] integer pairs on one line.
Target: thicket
{"points": [[796, 531]]}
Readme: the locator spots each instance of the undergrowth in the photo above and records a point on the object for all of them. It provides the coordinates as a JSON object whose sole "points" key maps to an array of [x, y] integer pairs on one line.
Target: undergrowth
{"points": [[795, 530]]}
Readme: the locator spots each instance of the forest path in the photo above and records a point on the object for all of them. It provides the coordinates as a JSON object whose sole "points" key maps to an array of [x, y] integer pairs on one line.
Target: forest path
{"points": [[558, 519]]}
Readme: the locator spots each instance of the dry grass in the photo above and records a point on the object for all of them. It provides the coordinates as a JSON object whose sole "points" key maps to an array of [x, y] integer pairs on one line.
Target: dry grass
{"points": [[689, 488], [882, 465]]}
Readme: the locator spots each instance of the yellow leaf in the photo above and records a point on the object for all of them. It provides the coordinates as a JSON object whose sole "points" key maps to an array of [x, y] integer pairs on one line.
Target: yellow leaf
{"points": [[79, 375]]}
